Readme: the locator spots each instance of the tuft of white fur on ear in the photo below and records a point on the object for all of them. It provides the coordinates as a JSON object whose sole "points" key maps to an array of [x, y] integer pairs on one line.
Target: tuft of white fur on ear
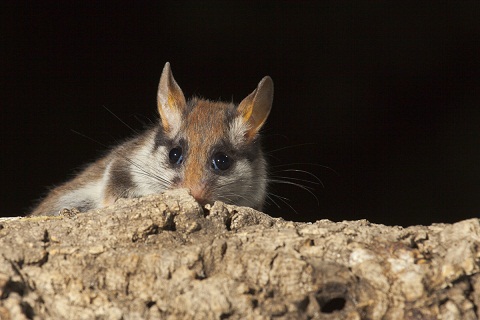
{"points": [[255, 108], [171, 102], [238, 131]]}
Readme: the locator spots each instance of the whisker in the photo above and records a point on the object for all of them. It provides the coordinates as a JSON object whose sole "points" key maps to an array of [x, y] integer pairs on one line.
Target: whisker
{"points": [[284, 200], [142, 122], [304, 163], [118, 118], [292, 183], [148, 175], [157, 174], [89, 138], [304, 172], [269, 198], [289, 147], [227, 195], [308, 189], [125, 192], [302, 180]]}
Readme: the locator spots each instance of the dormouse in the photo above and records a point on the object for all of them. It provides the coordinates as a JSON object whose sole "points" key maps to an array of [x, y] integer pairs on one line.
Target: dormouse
{"points": [[211, 148]]}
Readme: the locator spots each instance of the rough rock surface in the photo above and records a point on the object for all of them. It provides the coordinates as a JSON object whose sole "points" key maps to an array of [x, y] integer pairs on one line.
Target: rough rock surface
{"points": [[163, 257]]}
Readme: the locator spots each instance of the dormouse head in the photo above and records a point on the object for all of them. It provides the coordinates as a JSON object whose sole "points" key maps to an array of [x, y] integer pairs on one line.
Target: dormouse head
{"points": [[213, 148]]}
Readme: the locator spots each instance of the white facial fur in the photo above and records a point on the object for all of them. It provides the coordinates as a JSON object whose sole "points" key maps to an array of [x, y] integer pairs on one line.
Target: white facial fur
{"points": [[149, 171]]}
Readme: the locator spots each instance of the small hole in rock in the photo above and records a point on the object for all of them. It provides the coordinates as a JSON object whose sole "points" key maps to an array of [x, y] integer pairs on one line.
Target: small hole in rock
{"points": [[303, 304], [13, 286], [150, 304], [228, 224], [46, 236], [27, 310], [332, 305], [206, 210]]}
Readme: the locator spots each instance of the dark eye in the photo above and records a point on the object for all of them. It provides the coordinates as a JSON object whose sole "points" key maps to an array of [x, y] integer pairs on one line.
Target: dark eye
{"points": [[175, 155], [221, 161]]}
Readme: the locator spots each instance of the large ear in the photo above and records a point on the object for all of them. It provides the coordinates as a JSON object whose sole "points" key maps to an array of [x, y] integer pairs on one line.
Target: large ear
{"points": [[170, 101], [254, 109]]}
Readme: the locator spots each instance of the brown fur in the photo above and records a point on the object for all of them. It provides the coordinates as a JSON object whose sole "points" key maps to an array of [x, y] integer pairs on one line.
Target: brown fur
{"points": [[142, 166], [92, 173], [205, 124]]}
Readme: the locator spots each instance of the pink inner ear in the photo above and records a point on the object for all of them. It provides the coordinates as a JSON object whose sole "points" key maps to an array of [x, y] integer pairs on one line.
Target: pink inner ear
{"points": [[163, 118], [170, 100], [247, 112], [255, 108]]}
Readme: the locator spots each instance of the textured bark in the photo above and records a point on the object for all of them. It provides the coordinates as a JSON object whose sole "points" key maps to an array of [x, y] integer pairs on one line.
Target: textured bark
{"points": [[163, 257]]}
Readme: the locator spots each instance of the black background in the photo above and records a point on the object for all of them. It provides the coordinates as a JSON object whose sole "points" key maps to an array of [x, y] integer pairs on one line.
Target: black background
{"points": [[386, 95]]}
